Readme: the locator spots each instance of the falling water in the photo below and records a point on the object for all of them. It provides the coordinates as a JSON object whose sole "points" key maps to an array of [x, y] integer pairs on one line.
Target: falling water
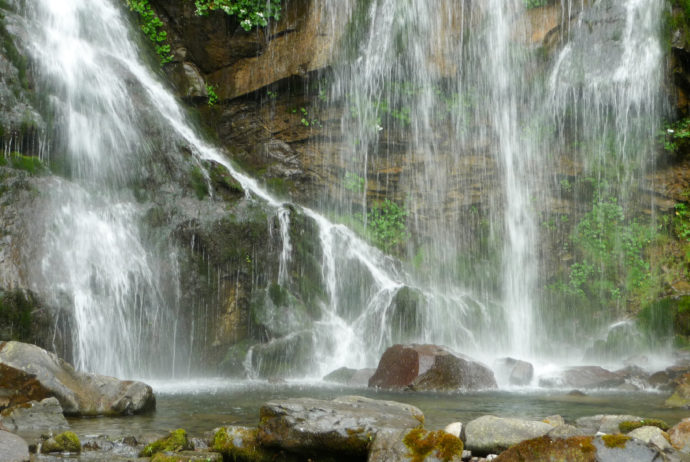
{"points": [[456, 81]]}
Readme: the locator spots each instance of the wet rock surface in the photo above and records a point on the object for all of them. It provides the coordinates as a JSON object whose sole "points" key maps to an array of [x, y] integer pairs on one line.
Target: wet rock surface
{"points": [[585, 377], [490, 434], [430, 367], [34, 415], [346, 425], [78, 393]]}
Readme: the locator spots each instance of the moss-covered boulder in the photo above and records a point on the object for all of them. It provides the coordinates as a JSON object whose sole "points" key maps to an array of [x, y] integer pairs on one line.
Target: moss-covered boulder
{"points": [[176, 441], [240, 444], [681, 394], [629, 425], [64, 442]]}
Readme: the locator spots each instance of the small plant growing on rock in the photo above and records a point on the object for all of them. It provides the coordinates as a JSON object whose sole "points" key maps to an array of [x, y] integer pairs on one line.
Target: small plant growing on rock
{"points": [[153, 28], [387, 225], [250, 13]]}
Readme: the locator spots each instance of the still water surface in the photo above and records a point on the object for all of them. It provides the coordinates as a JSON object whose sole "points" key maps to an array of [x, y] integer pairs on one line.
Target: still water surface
{"points": [[201, 405]]}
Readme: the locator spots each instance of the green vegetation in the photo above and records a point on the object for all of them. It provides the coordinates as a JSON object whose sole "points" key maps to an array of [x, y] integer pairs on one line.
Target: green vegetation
{"points": [[630, 425], [529, 4], [354, 182], [675, 137], [176, 441], [250, 13], [153, 28], [30, 164], [199, 182], [212, 96], [387, 226]]}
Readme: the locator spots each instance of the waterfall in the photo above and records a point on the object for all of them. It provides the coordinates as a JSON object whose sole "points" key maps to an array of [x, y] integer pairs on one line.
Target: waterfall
{"points": [[462, 84]]}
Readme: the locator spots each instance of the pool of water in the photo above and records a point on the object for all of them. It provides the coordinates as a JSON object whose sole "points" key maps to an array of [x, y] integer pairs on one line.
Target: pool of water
{"points": [[202, 405]]}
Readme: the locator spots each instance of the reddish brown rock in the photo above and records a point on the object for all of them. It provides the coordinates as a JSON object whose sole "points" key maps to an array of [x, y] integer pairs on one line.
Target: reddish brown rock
{"points": [[430, 367]]}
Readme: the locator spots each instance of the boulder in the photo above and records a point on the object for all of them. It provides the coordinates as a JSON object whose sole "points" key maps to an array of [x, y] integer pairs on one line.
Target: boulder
{"points": [[239, 443], [34, 415], [490, 434], [585, 377], [680, 435], [681, 394], [346, 425], [454, 428], [602, 423], [652, 435], [19, 387], [415, 444], [64, 442], [565, 431], [515, 371], [79, 393], [13, 448], [430, 367], [607, 448], [350, 377]]}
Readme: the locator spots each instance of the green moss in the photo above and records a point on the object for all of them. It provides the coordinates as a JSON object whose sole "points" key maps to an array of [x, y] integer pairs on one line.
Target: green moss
{"points": [[69, 441], [176, 441], [279, 296], [199, 182], [30, 164], [615, 441], [630, 425], [239, 444], [423, 443]]}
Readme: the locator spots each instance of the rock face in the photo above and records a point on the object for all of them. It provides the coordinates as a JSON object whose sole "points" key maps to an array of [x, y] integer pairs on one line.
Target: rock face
{"points": [[492, 435], [79, 393], [13, 448], [516, 371], [34, 415], [346, 425], [429, 367]]}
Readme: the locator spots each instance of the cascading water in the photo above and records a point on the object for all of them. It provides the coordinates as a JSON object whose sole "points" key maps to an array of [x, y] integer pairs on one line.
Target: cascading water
{"points": [[455, 82]]}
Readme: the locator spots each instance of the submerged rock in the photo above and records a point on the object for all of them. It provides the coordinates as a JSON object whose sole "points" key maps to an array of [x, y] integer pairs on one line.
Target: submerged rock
{"points": [[79, 393], [34, 415], [346, 425], [430, 367], [490, 434]]}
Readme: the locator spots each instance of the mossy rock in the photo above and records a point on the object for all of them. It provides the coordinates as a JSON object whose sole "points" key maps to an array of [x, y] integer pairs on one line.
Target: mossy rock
{"points": [[187, 456], [630, 425], [545, 449], [615, 441], [423, 443], [240, 444], [64, 442], [176, 441]]}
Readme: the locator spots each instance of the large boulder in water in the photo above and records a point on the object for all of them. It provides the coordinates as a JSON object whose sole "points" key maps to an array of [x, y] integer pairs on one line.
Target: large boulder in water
{"points": [[13, 448], [430, 367], [79, 393], [345, 426], [585, 377], [492, 435], [34, 415]]}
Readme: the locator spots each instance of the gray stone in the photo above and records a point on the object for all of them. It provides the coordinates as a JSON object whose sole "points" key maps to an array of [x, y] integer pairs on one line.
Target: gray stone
{"points": [[79, 393], [13, 448], [565, 431], [388, 446], [490, 434], [454, 429], [34, 415], [345, 425], [554, 420], [651, 435], [601, 423], [633, 450]]}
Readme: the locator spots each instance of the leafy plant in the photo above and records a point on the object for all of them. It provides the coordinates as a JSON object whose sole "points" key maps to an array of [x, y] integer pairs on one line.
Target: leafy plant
{"points": [[353, 182], [387, 225], [212, 96], [153, 28], [675, 136], [250, 13]]}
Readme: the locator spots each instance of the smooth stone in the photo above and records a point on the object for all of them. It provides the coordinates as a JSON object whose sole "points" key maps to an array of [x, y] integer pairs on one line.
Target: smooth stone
{"points": [[79, 393], [344, 425], [34, 415], [651, 435], [490, 434], [454, 429], [602, 423], [565, 431], [13, 448]]}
